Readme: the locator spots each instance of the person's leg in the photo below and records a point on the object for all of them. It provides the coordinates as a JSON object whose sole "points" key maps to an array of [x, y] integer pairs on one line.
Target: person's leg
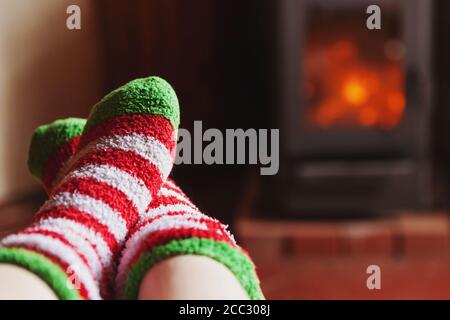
{"points": [[52, 145], [125, 154], [177, 252], [183, 276], [190, 277], [18, 283]]}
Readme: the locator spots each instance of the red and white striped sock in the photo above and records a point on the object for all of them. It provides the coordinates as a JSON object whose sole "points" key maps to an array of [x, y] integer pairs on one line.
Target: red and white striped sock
{"points": [[174, 226], [125, 154], [171, 201]]}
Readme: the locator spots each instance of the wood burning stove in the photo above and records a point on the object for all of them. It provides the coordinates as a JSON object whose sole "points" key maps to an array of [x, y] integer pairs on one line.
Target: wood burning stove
{"points": [[354, 106]]}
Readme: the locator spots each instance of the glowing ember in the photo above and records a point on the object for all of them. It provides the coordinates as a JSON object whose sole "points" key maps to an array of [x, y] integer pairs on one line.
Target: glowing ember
{"points": [[354, 92], [346, 90]]}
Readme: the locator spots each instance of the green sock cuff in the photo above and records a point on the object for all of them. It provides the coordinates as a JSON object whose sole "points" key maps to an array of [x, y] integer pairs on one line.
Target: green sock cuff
{"points": [[232, 258], [46, 140], [151, 95], [45, 269]]}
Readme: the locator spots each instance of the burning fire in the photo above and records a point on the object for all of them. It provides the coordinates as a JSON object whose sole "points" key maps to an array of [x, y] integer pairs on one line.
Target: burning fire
{"points": [[343, 89], [354, 92]]}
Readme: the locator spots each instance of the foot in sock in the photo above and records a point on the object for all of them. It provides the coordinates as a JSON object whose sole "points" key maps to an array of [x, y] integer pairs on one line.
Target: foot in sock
{"points": [[172, 226], [124, 155]]}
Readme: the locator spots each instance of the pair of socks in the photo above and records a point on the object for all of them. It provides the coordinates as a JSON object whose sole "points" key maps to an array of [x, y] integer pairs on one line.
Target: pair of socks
{"points": [[112, 212]]}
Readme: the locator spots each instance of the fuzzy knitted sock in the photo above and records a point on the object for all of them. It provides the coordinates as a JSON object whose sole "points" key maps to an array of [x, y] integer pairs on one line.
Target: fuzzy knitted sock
{"points": [[51, 148], [174, 226], [171, 201], [124, 155]]}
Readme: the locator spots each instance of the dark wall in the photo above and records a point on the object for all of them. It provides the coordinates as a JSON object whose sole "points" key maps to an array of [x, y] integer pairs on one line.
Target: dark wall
{"points": [[441, 113], [213, 53], [217, 56]]}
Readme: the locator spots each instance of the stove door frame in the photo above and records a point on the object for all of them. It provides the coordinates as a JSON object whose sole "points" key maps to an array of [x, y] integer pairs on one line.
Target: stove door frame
{"points": [[355, 170], [399, 142]]}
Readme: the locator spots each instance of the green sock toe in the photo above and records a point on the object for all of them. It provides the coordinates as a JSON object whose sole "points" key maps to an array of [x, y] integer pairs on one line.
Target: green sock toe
{"points": [[46, 140], [151, 95]]}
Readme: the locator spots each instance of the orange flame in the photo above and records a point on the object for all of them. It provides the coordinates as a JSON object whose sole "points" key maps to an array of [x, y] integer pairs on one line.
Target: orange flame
{"points": [[345, 90], [354, 92]]}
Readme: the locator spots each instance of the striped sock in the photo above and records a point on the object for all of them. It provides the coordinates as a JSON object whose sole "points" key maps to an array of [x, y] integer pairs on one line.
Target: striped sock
{"points": [[170, 210], [171, 201], [124, 155], [174, 226], [52, 145]]}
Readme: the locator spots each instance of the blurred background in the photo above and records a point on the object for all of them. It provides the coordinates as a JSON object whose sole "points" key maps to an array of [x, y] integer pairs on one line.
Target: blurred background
{"points": [[363, 117]]}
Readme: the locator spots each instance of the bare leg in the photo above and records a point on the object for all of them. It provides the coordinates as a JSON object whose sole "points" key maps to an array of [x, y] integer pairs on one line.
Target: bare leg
{"points": [[190, 277], [17, 283]]}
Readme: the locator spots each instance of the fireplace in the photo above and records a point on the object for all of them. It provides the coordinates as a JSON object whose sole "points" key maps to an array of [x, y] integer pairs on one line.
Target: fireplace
{"points": [[354, 106], [351, 78]]}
